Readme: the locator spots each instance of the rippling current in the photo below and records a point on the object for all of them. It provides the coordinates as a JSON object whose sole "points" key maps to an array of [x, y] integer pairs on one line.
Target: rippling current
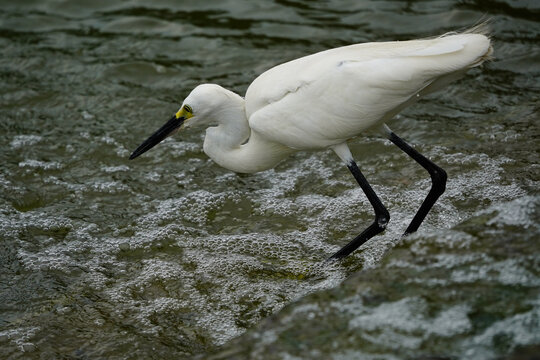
{"points": [[171, 256]]}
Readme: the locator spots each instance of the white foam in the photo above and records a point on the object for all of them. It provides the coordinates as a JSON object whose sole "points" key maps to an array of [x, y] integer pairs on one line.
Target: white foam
{"points": [[399, 324], [37, 164], [21, 141], [192, 254], [522, 328]]}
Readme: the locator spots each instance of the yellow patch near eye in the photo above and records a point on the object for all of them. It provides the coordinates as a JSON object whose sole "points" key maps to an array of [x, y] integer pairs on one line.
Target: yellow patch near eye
{"points": [[184, 112], [179, 113]]}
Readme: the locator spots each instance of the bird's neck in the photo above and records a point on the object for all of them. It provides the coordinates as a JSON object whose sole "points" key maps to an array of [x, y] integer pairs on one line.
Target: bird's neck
{"points": [[233, 145]]}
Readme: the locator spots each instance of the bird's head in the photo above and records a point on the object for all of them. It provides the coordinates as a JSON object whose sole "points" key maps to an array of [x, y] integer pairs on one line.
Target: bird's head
{"points": [[198, 109]]}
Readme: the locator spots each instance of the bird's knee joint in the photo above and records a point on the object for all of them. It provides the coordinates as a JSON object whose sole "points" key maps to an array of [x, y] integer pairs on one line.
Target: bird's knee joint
{"points": [[439, 177], [382, 220]]}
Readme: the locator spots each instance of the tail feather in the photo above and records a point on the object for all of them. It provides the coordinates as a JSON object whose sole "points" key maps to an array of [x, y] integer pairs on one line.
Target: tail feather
{"points": [[483, 27]]}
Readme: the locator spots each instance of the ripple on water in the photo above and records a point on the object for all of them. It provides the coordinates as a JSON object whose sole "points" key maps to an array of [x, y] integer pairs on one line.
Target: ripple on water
{"points": [[171, 256], [173, 260], [444, 294]]}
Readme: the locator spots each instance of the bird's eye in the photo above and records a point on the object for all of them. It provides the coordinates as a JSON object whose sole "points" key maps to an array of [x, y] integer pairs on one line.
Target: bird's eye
{"points": [[188, 109]]}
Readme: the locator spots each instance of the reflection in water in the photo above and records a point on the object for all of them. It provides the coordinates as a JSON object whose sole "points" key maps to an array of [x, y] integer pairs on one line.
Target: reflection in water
{"points": [[174, 256]]}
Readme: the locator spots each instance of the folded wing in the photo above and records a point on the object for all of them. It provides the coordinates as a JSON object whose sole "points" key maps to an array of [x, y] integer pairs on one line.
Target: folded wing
{"points": [[325, 98]]}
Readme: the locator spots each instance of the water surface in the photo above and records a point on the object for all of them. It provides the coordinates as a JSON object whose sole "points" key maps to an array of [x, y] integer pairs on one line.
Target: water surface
{"points": [[171, 256]]}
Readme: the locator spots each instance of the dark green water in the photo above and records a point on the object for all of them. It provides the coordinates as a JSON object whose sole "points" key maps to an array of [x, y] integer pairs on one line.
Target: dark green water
{"points": [[171, 256]]}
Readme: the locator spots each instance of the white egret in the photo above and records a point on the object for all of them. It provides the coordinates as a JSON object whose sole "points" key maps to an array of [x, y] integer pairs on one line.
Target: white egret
{"points": [[321, 101]]}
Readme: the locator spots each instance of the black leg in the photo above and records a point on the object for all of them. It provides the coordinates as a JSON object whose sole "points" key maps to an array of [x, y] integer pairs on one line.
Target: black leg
{"points": [[438, 180], [381, 215]]}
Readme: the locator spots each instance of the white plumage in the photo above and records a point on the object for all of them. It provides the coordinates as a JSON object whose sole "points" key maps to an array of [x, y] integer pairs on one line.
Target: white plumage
{"points": [[322, 100]]}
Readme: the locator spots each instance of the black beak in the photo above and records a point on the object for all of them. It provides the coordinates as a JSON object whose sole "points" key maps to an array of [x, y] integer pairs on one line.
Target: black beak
{"points": [[166, 130]]}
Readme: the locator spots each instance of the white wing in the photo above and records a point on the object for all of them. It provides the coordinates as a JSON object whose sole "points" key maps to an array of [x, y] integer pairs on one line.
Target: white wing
{"points": [[325, 98]]}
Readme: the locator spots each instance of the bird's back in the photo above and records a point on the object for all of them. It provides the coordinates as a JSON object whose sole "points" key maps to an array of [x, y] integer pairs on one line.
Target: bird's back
{"points": [[325, 98]]}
